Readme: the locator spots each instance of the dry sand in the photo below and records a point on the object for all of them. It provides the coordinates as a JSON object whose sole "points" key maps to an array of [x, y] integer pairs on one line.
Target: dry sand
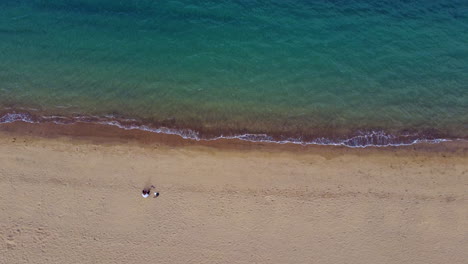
{"points": [[75, 200]]}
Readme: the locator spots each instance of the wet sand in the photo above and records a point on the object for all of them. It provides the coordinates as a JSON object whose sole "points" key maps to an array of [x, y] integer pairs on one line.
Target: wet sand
{"points": [[71, 194]]}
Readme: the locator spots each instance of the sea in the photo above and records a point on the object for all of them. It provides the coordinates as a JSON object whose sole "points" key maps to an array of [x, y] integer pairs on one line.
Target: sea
{"points": [[356, 73]]}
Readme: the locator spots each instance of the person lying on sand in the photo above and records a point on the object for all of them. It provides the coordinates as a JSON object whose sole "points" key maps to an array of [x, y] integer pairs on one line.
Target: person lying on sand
{"points": [[146, 191], [156, 194]]}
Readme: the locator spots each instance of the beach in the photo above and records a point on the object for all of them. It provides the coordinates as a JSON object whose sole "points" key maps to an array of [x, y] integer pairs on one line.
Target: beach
{"points": [[274, 131], [72, 194]]}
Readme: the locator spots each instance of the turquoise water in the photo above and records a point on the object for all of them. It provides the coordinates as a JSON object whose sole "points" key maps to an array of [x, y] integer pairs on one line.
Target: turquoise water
{"points": [[293, 70]]}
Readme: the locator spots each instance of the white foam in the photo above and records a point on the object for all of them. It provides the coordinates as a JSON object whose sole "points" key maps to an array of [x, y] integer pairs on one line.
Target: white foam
{"points": [[362, 140], [14, 117]]}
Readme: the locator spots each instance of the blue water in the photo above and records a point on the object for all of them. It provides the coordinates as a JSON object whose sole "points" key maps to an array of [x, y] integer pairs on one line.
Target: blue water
{"points": [[298, 70]]}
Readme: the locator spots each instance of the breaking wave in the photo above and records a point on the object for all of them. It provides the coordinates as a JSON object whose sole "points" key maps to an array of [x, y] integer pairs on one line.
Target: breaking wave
{"points": [[361, 139]]}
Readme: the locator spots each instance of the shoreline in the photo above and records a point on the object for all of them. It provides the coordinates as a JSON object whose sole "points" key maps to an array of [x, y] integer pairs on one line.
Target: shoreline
{"points": [[102, 133], [360, 138]]}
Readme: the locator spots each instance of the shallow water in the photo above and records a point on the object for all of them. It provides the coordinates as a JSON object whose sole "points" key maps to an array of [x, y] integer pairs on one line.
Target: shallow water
{"points": [[298, 70]]}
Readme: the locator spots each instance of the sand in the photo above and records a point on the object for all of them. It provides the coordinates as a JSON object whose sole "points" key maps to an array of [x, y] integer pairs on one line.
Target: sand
{"points": [[78, 200]]}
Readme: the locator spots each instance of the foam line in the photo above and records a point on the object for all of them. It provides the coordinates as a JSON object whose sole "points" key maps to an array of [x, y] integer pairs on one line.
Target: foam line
{"points": [[361, 140]]}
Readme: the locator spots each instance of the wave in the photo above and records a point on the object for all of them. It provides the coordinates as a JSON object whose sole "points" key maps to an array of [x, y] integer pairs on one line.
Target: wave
{"points": [[361, 139]]}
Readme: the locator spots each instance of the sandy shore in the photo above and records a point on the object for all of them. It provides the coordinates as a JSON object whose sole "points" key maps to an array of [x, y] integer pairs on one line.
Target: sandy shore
{"points": [[76, 199]]}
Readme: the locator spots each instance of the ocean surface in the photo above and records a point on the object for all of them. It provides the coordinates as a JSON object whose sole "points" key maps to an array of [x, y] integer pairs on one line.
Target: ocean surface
{"points": [[356, 73]]}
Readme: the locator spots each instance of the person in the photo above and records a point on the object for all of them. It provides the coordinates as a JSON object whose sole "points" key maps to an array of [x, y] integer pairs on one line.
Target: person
{"points": [[156, 194], [146, 191]]}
